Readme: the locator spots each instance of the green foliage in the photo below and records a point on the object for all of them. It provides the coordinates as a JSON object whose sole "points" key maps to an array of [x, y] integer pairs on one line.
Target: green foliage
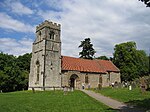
{"points": [[142, 63], [146, 2], [24, 62], [14, 72], [134, 96], [87, 49], [50, 101], [149, 63], [6, 60], [131, 62], [103, 58]]}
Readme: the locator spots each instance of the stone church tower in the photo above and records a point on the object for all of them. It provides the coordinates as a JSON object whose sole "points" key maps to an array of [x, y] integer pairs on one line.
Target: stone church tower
{"points": [[45, 71]]}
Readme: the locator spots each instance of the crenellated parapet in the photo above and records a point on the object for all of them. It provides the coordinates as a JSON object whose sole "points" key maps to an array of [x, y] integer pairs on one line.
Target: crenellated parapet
{"points": [[49, 24]]}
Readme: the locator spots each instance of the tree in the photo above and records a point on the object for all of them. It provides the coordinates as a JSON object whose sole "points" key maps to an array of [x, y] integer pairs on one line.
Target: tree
{"points": [[103, 58], [149, 63], [142, 62], [131, 62], [14, 72], [24, 61], [6, 60], [146, 2], [87, 49]]}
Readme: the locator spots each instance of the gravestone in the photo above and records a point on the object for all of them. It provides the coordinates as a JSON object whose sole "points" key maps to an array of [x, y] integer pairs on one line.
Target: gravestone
{"points": [[133, 84], [130, 87], [65, 90], [116, 85], [119, 85], [143, 85]]}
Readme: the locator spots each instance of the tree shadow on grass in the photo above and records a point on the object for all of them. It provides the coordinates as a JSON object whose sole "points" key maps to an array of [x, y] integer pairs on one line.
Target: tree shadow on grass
{"points": [[112, 110], [134, 106], [148, 89], [137, 106], [141, 103]]}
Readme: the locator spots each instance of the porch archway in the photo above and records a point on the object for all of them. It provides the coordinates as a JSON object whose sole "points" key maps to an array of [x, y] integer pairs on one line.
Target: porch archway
{"points": [[74, 81]]}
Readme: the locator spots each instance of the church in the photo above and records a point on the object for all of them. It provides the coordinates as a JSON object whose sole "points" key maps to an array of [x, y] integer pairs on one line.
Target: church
{"points": [[49, 69]]}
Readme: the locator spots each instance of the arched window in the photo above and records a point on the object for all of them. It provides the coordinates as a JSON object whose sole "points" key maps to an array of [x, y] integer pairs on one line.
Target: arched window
{"points": [[51, 35], [38, 70], [86, 78], [108, 77], [100, 79], [39, 34]]}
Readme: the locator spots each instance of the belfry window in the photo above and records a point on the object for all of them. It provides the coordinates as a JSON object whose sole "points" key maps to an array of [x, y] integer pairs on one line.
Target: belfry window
{"points": [[39, 35], [51, 35], [86, 78], [38, 70]]}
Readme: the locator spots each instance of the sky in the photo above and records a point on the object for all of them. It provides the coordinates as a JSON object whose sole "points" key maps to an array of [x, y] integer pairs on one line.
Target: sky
{"points": [[105, 22]]}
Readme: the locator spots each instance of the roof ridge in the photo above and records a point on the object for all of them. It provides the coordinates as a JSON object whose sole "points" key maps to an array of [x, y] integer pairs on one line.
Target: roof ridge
{"points": [[78, 58]]}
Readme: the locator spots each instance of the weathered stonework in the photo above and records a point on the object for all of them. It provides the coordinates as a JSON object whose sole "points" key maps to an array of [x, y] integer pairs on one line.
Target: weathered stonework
{"points": [[46, 71], [93, 79], [46, 51], [114, 77]]}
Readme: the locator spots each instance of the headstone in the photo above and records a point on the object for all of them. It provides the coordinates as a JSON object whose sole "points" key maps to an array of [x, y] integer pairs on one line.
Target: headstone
{"points": [[65, 90], [133, 85], [116, 85], [130, 87], [122, 85], [119, 85], [143, 85]]}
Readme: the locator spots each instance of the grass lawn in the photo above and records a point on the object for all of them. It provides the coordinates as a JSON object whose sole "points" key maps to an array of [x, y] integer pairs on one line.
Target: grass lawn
{"points": [[50, 101], [134, 96]]}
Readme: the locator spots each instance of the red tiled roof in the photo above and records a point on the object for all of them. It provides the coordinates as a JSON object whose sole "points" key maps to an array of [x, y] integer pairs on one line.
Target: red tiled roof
{"points": [[84, 65], [108, 66]]}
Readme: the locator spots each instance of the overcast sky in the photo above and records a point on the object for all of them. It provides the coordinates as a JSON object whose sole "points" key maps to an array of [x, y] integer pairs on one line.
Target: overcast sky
{"points": [[106, 22]]}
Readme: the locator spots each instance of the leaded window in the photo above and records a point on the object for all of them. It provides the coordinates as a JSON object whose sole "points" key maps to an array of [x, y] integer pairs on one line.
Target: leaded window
{"points": [[86, 78], [38, 70]]}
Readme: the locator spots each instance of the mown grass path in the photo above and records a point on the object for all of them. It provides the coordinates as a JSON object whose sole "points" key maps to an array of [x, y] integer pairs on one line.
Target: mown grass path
{"points": [[50, 101]]}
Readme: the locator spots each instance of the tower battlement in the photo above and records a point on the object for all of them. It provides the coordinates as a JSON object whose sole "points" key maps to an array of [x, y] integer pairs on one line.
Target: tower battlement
{"points": [[49, 24]]}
